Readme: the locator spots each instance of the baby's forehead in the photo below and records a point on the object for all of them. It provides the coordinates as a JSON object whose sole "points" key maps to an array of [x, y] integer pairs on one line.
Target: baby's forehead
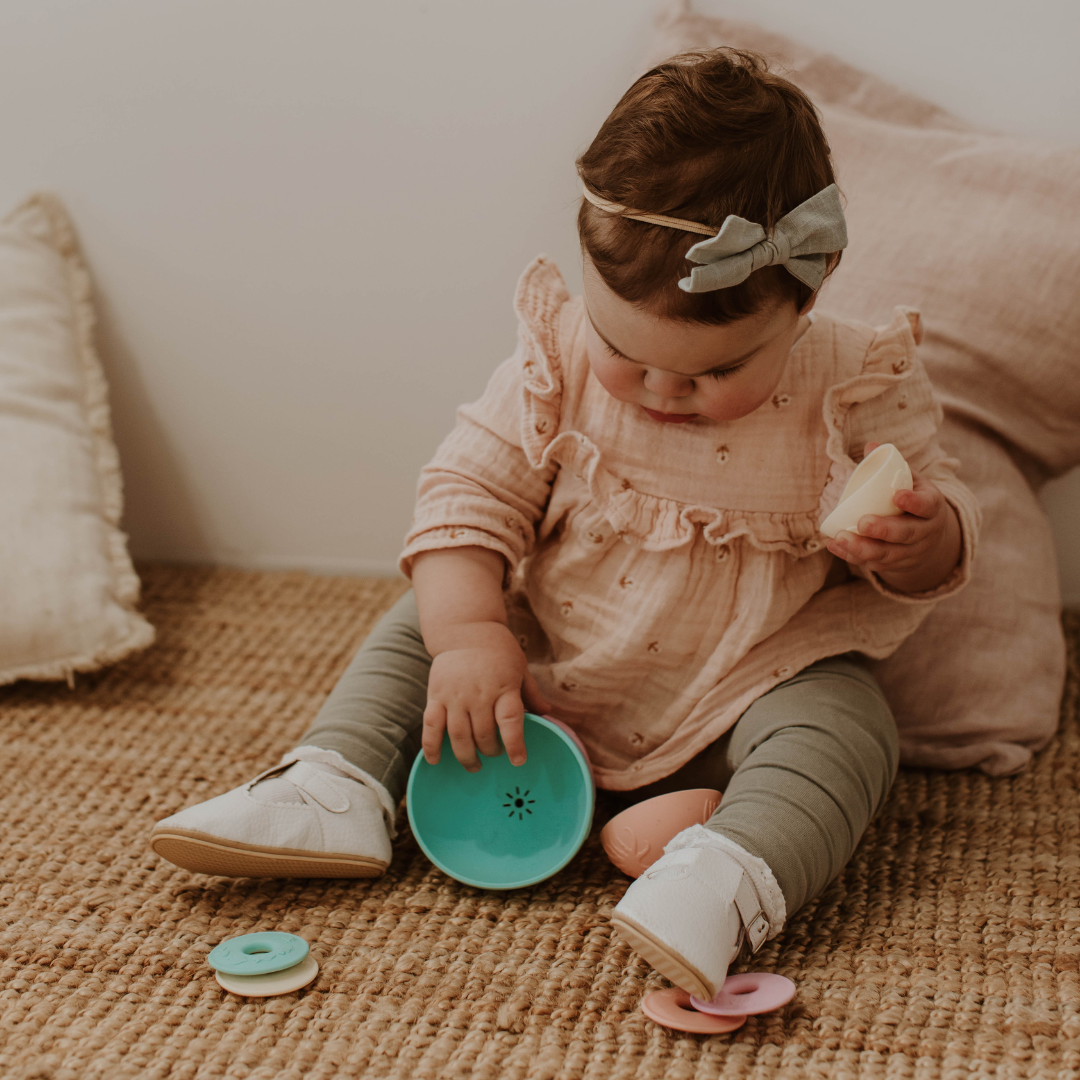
{"points": [[673, 344]]}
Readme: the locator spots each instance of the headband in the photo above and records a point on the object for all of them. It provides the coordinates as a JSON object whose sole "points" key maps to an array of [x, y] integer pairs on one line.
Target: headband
{"points": [[799, 242]]}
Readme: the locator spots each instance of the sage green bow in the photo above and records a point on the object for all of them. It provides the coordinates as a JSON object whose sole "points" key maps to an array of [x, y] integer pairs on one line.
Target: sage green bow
{"points": [[800, 243]]}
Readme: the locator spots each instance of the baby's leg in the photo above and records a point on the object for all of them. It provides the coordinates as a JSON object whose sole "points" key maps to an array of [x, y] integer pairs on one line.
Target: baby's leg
{"points": [[803, 771], [812, 761], [374, 716], [327, 808]]}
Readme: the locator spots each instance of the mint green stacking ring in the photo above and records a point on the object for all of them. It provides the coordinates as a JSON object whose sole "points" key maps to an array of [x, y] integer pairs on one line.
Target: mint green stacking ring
{"points": [[258, 954], [505, 826]]}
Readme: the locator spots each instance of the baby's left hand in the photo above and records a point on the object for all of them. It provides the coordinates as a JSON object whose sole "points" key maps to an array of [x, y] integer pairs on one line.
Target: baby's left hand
{"points": [[914, 551]]}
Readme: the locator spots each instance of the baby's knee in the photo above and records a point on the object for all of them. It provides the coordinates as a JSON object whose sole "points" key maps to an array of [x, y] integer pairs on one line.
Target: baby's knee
{"points": [[835, 704], [862, 709]]}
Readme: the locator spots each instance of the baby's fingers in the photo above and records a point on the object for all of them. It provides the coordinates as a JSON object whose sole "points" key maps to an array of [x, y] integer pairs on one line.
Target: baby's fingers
{"points": [[431, 738], [510, 716], [903, 529], [924, 501], [459, 728], [861, 550], [485, 733]]}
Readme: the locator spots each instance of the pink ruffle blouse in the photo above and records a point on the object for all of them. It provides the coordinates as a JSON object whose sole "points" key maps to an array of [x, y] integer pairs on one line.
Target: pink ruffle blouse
{"points": [[661, 577]]}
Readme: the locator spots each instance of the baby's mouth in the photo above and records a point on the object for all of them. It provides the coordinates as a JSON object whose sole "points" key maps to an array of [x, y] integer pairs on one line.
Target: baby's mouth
{"points": [[670, 417]]}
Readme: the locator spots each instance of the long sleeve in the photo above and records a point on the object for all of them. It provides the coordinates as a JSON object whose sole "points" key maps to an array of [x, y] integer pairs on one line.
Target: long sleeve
{"points": [[480, 489], [892, 400]]}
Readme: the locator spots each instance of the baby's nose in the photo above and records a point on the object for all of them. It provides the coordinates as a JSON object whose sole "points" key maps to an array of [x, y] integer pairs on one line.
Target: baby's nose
{"points": [[667, 384]]}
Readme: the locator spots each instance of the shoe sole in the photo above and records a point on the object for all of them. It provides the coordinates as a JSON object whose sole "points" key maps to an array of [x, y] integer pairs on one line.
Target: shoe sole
{"points": [[668, 962], [230, 858]]}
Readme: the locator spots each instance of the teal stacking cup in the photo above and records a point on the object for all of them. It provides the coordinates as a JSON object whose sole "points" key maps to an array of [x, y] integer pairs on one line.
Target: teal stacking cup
{"points": [[506, 826]]}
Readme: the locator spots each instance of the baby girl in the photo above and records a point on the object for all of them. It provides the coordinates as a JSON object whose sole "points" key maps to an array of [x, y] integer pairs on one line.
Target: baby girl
{"points": [[623, 531]]}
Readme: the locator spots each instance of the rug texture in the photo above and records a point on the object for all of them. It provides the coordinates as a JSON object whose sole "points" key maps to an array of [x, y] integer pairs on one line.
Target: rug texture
{"points": [[948, 948]]}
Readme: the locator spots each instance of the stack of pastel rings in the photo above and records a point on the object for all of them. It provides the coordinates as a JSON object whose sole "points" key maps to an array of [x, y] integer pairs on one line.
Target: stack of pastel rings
{"points": [[741, 996], [263, 965]]}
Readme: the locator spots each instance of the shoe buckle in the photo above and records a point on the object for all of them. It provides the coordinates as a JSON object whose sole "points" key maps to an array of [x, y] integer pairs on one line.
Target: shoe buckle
{"points": [[755, 925], [756, 932]]}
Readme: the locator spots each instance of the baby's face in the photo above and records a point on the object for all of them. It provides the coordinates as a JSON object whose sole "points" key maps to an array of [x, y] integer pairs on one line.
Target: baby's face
{"points": [[680, 371]]}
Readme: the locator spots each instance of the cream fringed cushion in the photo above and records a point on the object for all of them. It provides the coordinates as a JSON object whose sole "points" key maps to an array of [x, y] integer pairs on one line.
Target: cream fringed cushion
{"points": [[67, 587], [980, 232]]}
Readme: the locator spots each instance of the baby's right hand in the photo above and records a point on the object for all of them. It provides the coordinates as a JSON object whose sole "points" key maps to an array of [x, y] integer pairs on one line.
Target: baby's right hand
{"points": [[477, 691]]}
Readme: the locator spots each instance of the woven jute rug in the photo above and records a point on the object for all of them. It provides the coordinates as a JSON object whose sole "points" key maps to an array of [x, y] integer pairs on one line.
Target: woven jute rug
{"points": [[948, 948]]}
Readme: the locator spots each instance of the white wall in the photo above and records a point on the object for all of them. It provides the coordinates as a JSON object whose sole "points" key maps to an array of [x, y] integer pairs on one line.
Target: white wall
{"points": [[306, 219]]}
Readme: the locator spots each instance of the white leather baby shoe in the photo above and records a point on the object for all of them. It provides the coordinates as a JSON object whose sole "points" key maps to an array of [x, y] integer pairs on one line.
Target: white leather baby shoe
{"points": [[311, 815], [691, 912]]}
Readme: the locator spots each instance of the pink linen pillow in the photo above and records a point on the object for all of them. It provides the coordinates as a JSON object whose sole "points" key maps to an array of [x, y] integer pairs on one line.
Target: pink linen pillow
{"points": [[978, 231]]}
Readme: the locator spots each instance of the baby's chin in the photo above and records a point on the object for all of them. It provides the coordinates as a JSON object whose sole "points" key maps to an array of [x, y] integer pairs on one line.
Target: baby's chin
{"points": [[735, 411], [718, 416], [670, 418]]}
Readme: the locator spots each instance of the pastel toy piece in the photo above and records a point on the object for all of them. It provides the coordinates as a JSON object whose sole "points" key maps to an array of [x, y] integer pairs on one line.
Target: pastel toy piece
{"points": [[673, 1009], [870, 490], [741, 996], [258, 954], [747, 995], [505, 826], [276, 982], [635, 839], [263, 965]]}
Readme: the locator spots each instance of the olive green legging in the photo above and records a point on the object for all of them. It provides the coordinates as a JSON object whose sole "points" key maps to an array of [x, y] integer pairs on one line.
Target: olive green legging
{"points": [[803, 770]]}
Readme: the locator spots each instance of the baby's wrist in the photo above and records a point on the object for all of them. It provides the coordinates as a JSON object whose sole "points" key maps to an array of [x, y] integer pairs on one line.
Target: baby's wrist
{"points": [[938, 567], [912, 581], [486, 634]]}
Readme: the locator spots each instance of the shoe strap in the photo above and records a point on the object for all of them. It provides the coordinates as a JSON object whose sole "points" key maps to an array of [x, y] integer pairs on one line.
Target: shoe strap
{"points": [[755, 927], [313, 784], [280, 767]]}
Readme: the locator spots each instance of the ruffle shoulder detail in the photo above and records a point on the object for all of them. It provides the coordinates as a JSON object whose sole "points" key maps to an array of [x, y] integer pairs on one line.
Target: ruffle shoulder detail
{"points": [[889, 400], [539, 300]]}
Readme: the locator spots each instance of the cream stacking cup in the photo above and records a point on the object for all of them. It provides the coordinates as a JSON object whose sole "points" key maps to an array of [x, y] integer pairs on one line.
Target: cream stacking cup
{"points": [[878, 477]]}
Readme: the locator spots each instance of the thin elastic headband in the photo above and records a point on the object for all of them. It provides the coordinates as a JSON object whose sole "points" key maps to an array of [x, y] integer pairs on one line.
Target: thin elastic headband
{"points": [[652, 219], [800, 242]]}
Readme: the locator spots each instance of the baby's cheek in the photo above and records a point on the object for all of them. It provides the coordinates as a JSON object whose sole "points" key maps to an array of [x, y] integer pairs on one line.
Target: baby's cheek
{"points": [[620, 383]]}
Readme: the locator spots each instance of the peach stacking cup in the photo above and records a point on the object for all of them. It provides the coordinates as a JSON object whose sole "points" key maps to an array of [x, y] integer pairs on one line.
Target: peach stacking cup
{"points": [[635, 839]]}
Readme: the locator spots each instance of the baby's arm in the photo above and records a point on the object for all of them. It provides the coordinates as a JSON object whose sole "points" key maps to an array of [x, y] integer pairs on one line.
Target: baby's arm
{"points": [[913, 552], [479, 683]]}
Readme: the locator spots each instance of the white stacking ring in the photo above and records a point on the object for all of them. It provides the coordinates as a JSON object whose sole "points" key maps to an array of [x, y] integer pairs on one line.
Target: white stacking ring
{"points": [[273, 982]]}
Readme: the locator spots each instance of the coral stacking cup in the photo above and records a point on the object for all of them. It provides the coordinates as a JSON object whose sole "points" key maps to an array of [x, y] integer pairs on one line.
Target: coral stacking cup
{"points": [[636, 838], [505, 826]]}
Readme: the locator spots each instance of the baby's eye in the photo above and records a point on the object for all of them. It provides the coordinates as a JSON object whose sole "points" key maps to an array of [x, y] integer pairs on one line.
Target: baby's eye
{"points": [[723, 373]]}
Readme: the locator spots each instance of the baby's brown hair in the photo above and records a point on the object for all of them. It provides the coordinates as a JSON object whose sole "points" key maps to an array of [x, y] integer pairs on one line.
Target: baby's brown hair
{"points": [[701, 136]]}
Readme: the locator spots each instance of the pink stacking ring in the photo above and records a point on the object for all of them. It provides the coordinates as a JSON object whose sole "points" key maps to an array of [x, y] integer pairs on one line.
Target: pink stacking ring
{"points": [[672, 1008], [747, 995]]}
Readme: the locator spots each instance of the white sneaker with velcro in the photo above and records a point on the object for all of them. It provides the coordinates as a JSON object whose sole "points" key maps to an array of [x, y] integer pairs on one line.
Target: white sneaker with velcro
{"points": [[311, 815], [696, 907]]}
